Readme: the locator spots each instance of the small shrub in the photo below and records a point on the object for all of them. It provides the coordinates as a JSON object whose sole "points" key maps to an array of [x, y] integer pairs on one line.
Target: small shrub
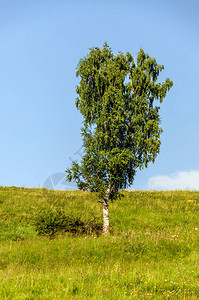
{"points": [[92, 226], [52, 220]]}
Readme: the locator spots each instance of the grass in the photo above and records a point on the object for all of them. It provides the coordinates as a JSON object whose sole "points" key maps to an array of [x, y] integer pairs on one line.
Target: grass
{"points": [[152, 252]]}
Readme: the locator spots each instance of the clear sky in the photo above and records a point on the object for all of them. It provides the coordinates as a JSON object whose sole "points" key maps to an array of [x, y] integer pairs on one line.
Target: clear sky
{"points": [[41, 42]]}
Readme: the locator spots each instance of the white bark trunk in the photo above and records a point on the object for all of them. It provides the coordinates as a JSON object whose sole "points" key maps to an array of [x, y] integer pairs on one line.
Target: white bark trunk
{"points": [[105, 211], [105, 219]]}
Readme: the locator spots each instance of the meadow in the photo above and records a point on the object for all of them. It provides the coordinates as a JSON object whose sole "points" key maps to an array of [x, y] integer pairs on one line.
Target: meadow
{"points": [[151, 253]]}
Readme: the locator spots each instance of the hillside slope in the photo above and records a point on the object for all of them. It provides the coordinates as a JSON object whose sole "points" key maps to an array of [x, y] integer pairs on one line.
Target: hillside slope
{"points": [[152, 252]]}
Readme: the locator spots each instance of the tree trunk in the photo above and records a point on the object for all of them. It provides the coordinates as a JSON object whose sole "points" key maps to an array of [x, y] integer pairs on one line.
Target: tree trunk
{"points": [[105, 211], [105, 218]]}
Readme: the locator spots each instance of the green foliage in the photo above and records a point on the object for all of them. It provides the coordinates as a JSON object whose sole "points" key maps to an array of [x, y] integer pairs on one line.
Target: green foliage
{"points": [[121, 127], [50, 221]]}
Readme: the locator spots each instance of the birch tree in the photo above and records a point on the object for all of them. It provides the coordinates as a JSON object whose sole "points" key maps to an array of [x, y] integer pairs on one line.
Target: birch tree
{"points": [[118, 99]]}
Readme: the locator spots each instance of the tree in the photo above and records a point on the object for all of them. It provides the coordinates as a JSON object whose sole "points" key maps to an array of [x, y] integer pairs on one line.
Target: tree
{"points": [[121, 123]]}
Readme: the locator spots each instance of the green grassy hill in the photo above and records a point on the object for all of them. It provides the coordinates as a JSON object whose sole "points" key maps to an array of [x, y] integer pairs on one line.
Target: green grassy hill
{"points": [[152, 252]]}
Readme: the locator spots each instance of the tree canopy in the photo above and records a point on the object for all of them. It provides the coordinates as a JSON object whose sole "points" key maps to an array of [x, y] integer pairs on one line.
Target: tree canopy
{"points": [[118, 99]]}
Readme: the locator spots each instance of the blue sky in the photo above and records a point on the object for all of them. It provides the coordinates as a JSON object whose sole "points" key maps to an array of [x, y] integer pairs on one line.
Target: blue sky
{"points": [[41, 43]]}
